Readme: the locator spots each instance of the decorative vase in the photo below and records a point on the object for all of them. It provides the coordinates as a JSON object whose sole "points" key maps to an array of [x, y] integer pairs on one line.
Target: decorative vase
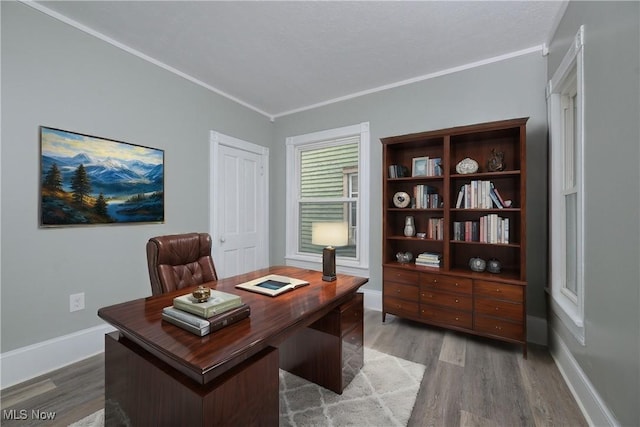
{"points": [[477, 264], [202, 293], [404, 257], [409, 227], [494, 266]]}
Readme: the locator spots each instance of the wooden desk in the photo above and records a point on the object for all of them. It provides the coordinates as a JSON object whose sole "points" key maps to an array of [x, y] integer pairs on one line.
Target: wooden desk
{"points": [[159, 374]]}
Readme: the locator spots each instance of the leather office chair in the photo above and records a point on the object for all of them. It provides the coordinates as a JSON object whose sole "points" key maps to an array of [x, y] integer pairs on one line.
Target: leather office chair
{"points": [[179, 260]]}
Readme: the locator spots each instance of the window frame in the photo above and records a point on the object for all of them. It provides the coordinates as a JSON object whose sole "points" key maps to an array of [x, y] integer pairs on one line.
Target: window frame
{"points": [[565, 94], [294, 144]]}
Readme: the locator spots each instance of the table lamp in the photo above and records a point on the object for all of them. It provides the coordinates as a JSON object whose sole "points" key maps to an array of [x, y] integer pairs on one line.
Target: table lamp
{"points": [[329, 234]]}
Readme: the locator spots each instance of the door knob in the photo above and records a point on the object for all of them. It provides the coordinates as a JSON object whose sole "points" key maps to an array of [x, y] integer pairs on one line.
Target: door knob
{"points": [[222, 239]]}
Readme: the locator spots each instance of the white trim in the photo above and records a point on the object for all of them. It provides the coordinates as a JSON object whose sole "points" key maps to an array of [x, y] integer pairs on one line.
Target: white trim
{"points": [[37, 359], [568, 311], [216, 139], [139, 54], [591, 404], [292, 257], [272, 117], [539, 48]]}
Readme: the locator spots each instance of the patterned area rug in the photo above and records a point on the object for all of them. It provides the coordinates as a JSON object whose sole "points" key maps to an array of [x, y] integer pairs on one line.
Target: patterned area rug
{"points": [[381, 394]]}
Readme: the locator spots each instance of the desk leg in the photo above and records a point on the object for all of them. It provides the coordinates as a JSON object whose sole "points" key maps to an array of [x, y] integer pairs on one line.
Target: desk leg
{"points": [[141, 390], [330, 351]]}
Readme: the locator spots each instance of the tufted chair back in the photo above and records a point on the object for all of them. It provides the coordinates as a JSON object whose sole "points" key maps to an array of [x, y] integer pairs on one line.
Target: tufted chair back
{"points": [[179, 260]]}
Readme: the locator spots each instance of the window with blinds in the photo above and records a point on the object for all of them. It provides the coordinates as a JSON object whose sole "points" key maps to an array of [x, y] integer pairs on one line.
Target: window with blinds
{"points": [[325, 184]]}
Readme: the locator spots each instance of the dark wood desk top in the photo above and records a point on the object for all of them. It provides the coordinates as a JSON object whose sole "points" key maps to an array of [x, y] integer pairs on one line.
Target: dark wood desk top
{"points": [[272, 320]]}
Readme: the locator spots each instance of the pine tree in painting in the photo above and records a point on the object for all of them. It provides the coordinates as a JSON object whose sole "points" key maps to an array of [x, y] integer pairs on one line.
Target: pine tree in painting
{"points": [[80, 185], [53, 180], [101, 205]]}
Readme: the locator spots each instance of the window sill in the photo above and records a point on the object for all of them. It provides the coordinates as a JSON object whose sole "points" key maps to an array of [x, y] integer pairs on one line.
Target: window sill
{"points": [[566, 312], [315, 263]]}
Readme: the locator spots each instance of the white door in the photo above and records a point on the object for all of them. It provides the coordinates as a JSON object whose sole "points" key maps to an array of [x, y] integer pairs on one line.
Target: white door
{"points": [[239, 205]]}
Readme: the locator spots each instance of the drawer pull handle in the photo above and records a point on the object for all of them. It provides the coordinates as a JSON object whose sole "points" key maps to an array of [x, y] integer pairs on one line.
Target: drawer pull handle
{"points": [[498, 290], [457, 318], [497, 308], [435, 280], [397, 291], [457, 284], [498, 328], [457, 300]]}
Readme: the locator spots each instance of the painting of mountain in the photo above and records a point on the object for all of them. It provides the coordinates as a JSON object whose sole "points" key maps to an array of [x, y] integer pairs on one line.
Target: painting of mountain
{"points": [[88, 180]]}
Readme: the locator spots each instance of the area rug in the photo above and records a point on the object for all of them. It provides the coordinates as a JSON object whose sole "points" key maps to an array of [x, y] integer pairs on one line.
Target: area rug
{"points": [[381, 394]]}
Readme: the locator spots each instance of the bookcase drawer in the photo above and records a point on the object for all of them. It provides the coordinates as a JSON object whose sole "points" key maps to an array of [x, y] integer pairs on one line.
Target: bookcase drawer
{"points": [[447, 283], [499, 290], [401, 307], [499, 327], [457, 318], [457, 302], [513, 311], [398, 290], [401, 276]]}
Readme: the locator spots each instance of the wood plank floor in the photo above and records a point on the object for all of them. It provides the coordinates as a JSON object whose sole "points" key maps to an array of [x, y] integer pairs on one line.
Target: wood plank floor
{"points": [[469, 381]]}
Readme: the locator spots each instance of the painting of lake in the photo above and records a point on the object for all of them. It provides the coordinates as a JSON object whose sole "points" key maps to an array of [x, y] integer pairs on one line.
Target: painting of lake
{"points": [[88, 180]]}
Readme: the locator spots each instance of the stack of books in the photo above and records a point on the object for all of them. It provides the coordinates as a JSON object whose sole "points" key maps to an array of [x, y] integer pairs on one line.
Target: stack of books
{"points": [[202, 318], [429, 259]]}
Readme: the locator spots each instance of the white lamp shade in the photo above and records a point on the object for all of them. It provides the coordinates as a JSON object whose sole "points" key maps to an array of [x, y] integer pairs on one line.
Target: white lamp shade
{"points": [[330, 233]]}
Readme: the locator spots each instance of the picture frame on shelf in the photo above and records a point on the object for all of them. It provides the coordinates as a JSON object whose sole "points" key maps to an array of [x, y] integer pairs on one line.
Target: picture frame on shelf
{"points": [[419, 166]]}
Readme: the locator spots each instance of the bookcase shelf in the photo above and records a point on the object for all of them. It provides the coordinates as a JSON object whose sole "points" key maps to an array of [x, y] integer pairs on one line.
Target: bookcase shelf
{"points": [[409, 289]]}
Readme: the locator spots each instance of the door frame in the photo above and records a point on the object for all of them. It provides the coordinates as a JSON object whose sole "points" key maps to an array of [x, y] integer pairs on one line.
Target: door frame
{"points": [[217, 139]]}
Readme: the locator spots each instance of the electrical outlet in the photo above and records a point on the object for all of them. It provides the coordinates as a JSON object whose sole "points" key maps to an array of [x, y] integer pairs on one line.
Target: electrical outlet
{"points": [[76, 302]]}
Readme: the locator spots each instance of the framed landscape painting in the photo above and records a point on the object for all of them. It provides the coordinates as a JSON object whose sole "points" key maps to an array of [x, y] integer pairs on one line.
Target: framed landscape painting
{"points": [[88, 180]]}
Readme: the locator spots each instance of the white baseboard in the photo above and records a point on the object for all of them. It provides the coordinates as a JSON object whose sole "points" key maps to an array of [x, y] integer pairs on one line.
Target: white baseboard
{"points": [[591, 404], [31, 361], [372, 299]]}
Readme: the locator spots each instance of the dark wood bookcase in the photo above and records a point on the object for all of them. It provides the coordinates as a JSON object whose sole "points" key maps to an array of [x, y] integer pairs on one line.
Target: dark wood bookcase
{"points": [[453, 295]]}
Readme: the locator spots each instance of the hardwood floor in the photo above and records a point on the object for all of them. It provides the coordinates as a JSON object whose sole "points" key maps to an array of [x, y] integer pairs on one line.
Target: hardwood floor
{"points": [[468, 381]]}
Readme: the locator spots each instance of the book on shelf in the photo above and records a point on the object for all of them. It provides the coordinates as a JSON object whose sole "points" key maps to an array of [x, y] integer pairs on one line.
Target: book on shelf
{"points": [[200, 326], [398, 171], [494, 229], [435, 228], [460, 198], [218, 302], [425, 197], [428, 259], [479, 194]]}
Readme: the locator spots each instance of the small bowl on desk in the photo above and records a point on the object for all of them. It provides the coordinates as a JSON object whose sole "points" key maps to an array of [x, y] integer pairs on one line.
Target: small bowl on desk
{"points": [[201, 294]]}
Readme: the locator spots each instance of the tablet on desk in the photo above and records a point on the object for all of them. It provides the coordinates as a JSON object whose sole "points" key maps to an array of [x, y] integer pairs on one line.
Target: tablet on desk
{"points": [[272, 284]]}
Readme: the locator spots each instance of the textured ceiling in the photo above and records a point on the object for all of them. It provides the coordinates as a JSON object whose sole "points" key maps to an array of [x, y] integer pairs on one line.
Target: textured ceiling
{"points": [[279, 57]]}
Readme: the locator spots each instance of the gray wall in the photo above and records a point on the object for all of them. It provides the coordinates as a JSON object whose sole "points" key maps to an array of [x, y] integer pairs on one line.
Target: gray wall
{"points": [[507, 89], [58, 76], [611, 357]]}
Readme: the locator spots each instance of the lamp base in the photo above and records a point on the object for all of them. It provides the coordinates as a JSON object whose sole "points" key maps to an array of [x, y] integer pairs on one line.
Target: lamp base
{"points": [[329, 264]]}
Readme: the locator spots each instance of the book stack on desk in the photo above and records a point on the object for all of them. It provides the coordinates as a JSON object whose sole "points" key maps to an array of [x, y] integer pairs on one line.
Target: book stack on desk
{"points": [[202, 318]]}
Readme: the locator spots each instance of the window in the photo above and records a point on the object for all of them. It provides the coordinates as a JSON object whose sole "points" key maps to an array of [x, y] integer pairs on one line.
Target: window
{"points": [[566, 122], [328, 180]]}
